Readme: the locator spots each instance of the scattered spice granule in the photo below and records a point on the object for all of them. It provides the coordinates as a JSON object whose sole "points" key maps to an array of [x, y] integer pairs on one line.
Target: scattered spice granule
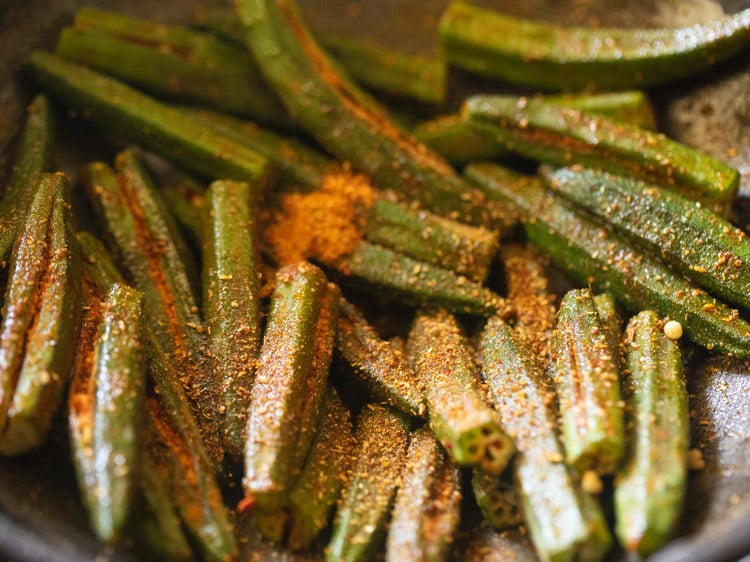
{"points": [[591, 483], [324, 225], [695, 460]]}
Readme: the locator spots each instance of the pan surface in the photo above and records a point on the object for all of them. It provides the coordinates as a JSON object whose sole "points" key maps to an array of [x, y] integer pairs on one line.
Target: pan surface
{"points": [[41, 518]]}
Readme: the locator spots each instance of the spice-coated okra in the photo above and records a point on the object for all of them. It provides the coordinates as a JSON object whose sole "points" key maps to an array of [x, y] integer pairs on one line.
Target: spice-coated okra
{"points": [[498, 499], [591, 254]]}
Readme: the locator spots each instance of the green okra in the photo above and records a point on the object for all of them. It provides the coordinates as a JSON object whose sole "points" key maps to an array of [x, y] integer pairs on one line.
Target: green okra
{"points": [[290, 382], [382, 437], [98, 263], [587, 381], [340, 118], [174, 441], [464, 249], [593, 255], [564, 136], [426, 511], [41, 318], [468, 428], [692, 239], [231, 302], [498, 499], [171, 61], [459, 143], [318, 487], [127, 113], [184, 197], [378, 363], [650, 486], [611, 320], [416, 282], [32, 159], [111, 418], [550, 56], [152, 251], [564, 523]]}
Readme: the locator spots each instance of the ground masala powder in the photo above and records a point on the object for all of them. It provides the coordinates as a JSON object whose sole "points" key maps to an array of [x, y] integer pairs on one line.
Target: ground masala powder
{"points": [[324, 225]]}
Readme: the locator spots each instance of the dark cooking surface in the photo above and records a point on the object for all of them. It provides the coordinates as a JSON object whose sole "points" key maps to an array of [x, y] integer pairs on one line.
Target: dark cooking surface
{"points": [[40, 515]]}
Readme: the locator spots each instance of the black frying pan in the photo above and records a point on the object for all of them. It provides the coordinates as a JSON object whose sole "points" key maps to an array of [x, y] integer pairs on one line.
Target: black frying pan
{"points": [[41, 518]]}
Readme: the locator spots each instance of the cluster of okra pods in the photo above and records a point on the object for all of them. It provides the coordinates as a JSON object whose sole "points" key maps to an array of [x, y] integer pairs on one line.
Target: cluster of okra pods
{"points": [[204, 339]]}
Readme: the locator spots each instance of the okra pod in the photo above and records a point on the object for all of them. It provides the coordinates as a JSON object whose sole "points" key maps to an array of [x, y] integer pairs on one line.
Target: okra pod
{"points": [[171, 61], [98, 264], [382, 437], [650, 486], [587, 381], [550, 56], [564, 523], [498, 499], [184, 197], [174, 440], [290, 382], [231, 302], [481, 543], [32, 159], [459, 143], [127, 113], [118, 380], [152, 251], [41, 318], [465, 424], [339, 117], [606, 308], [592, 254], [564, 136], [695, 241], [529, 294], [382, 367], [426, 511]]}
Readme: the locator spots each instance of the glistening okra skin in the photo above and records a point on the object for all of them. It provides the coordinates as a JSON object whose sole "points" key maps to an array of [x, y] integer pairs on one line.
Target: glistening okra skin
{"points": [[290, 382], [549, 56], [171, 61], [650, 486], [587, 380], [98, 264], [32, 158], [426, 511], [382, 367], [231, 302], [152, 251], [695, 241], [592, 254], [335, 112], [459, 143], [382, 437], [127, 113], [119, 378], [564, 523], [467, 427], [565, 136], [42, 305]]}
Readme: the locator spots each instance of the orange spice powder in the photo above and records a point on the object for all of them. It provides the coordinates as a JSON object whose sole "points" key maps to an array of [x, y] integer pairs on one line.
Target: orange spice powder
{"points": [[324, 225]]}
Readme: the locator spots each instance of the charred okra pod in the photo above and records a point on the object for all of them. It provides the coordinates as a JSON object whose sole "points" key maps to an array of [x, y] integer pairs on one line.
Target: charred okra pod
{"points": [[427, 506], [290, 382], [564, 523], [107, 417], [382, 436], [127, 113], [41, 318], [564, 136], [456, 140], [171, 61], [695, 241], [650, 486], [382, 367], [152, 251], [592, 254], [32, 159], [587, 381], [548, 56], [465, 424], [498, 499], [336, 113], [231, 302]]}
